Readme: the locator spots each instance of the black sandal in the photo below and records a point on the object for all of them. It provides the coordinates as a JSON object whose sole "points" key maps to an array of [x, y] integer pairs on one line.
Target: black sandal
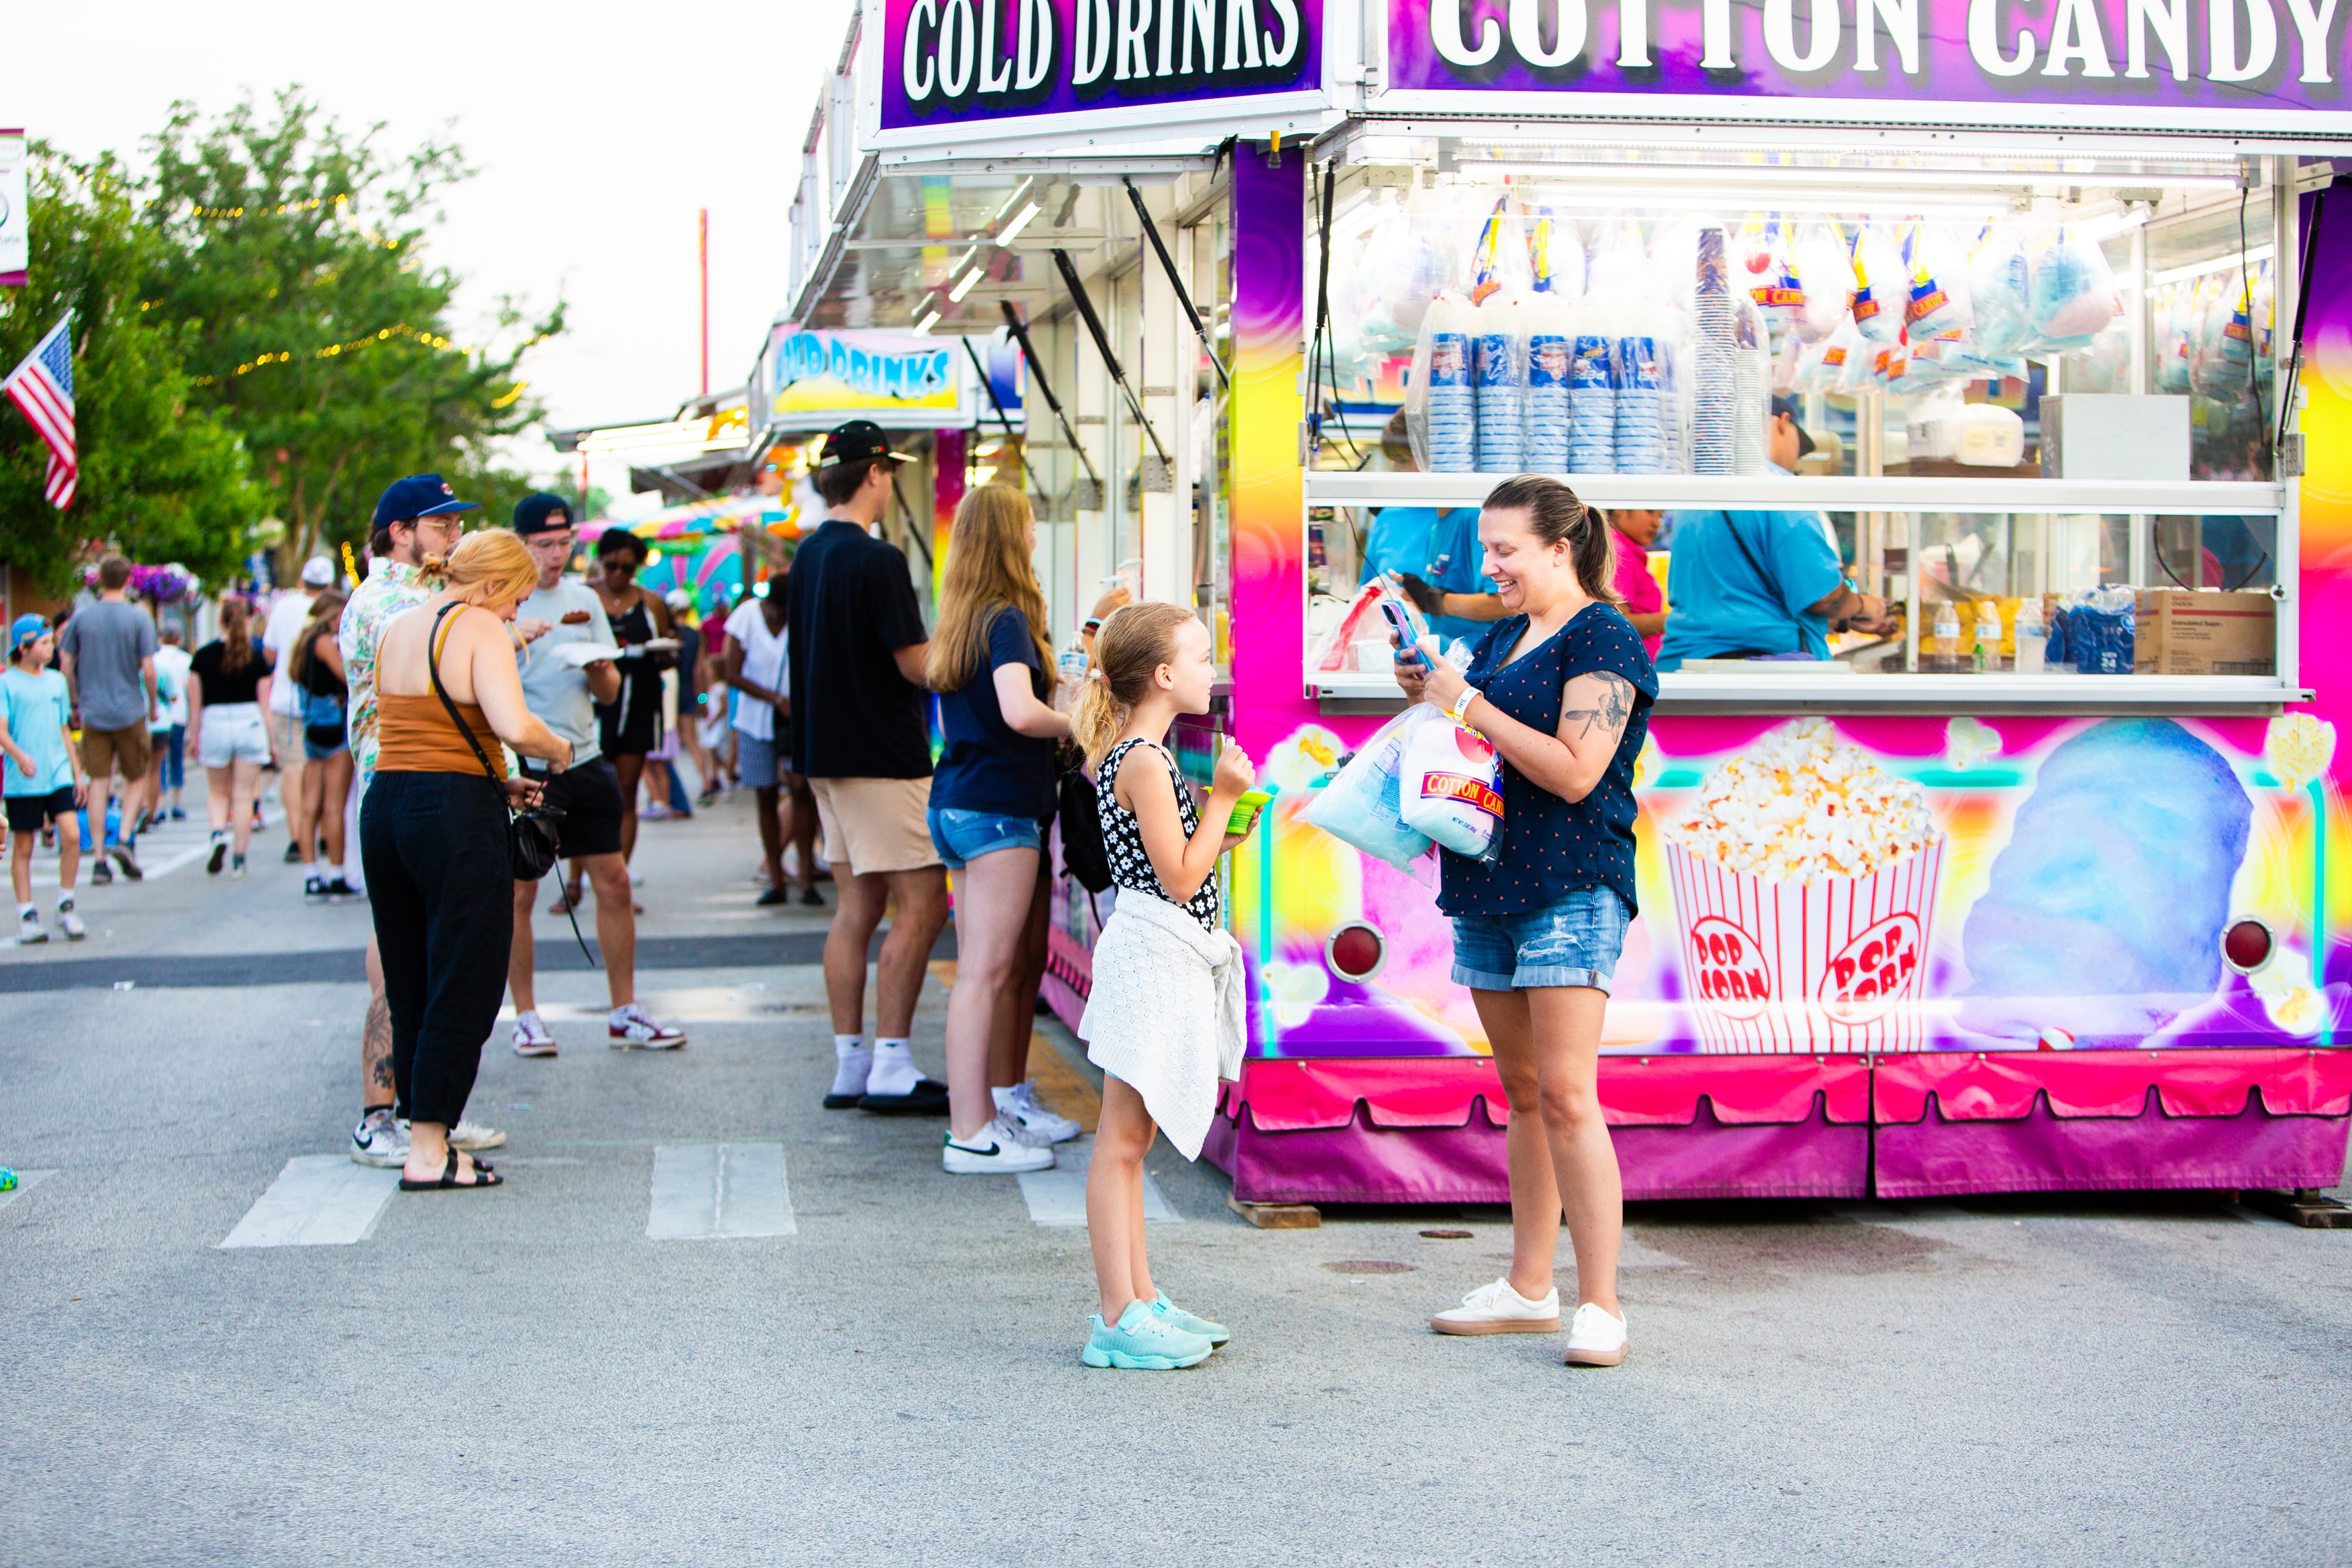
{"points": [[447, 1182]]}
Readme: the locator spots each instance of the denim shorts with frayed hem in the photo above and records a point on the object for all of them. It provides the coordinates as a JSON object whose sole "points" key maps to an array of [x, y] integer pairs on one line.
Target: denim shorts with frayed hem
{"points": [[1573, 941], [961, 837]]}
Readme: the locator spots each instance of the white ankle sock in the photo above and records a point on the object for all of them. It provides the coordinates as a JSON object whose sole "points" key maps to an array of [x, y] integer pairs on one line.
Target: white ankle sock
{"points": [[893, 1069], [851, 1064], [24, 909]]}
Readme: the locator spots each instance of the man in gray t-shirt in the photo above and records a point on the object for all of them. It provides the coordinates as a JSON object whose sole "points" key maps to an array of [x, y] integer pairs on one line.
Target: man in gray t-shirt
{"points": [[588, 793], [108, 653]]}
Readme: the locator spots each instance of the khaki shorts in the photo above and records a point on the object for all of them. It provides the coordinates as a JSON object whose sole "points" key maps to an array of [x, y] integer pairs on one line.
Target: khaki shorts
{"points": [[101, 750], [286, 740], [876, 824]]}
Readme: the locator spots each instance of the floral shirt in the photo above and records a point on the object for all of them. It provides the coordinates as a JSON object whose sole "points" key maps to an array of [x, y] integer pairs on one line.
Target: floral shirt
{"points": [[390, 589]]}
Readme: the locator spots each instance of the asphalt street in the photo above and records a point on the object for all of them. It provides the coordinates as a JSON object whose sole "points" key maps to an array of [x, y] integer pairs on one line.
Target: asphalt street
{"points": [[829, 1351]]}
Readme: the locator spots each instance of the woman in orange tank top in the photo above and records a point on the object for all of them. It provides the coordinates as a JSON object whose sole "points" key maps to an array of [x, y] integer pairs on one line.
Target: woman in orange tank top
{"points": [[433, 836]]}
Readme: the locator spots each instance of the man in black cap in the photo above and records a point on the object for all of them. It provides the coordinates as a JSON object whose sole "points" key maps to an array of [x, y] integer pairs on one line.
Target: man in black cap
{"points": [[854, 668], [417, 518], [1757, 585], [564, 695]]}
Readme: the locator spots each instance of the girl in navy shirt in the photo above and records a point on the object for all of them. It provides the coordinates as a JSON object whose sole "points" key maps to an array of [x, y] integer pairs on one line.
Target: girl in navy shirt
{"points": [[1563, 689]]}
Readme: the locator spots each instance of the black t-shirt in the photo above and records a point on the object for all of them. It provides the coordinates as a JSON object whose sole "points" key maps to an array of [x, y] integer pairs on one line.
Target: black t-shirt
{"points": [[220, 686], [1552, 847], [850, 604], [989, 766]]}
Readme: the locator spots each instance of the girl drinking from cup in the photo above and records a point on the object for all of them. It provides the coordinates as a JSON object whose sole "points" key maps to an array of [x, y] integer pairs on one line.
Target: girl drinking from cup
{"points": [[1164, 1019]]}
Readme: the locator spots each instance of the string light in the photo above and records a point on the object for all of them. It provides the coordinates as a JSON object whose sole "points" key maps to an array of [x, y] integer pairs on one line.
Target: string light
{"points": [[331, 350], [339, 201]]}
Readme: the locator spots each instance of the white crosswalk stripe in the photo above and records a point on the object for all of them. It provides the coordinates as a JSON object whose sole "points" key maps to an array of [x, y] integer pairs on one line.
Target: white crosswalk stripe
{"points": [[25, 1179], [318, 1200], [709, 1192], [1058, 1196]]}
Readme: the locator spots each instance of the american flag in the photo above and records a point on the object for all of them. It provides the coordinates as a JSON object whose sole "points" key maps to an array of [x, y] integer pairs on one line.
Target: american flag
{"points": [[43, 387]]}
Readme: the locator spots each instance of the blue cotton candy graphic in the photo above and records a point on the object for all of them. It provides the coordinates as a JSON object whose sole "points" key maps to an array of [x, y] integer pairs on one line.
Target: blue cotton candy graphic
{"points": [[2105, 913]]}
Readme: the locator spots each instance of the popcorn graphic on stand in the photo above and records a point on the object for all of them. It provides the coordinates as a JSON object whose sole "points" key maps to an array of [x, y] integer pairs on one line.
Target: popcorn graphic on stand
{"points": [[1805, 881]]}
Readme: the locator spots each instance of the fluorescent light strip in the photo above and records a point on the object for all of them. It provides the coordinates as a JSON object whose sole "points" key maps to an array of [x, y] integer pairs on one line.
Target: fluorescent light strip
{"points": [[927, 323], [1800, 175], [955, 295], [1012, 231], [1943, 205], [2229, 263]]}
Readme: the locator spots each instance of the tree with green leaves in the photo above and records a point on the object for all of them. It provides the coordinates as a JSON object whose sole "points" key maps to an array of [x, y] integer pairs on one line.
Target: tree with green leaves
{"points": [[293, 255], [160, 479]]}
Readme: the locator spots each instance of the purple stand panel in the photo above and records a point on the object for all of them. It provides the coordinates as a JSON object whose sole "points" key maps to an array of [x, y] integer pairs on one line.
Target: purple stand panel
{"points": [[1360, 1163], [2043, 1153]]}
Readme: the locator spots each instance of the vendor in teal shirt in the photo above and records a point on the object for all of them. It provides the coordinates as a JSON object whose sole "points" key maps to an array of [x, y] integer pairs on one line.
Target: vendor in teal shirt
{"points": [[1436, 551], [1754, 585]]}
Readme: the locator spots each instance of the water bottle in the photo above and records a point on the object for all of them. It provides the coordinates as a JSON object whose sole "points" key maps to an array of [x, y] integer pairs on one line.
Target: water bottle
{"points": [[1944, 643], [1987, 655], [2033, 639]]}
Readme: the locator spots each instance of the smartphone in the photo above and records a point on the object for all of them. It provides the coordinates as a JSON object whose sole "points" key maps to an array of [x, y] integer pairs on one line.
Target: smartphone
{"points": [[1408, 650], [1246, 808]]}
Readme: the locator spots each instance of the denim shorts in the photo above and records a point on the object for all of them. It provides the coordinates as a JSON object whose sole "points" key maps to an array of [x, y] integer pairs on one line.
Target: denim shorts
{"points": [[1573, 941], [965, 836]]}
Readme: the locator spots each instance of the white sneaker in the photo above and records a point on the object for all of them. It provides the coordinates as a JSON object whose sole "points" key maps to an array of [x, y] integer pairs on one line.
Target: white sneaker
{"points": [[1021, 1106], [1595, 1338], [70, 923], [473, 1137], [531, 1035], [28, 929], [634, 1029], [1499, 1309], [381, 1141], [993, 1150]]}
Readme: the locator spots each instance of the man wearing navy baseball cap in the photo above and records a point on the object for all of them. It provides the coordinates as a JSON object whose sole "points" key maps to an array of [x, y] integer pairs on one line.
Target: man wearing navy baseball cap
{"points": [[416, 517]]}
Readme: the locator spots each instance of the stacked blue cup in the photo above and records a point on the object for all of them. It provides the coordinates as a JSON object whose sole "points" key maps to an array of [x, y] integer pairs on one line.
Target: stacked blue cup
{"points": [[1497, 367], [1451, 409], [1641, 433], [1593, 405]]}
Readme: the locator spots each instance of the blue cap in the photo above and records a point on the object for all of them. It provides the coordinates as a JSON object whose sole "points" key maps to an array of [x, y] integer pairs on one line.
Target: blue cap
{"points": [[419, 496], [26, 628]]}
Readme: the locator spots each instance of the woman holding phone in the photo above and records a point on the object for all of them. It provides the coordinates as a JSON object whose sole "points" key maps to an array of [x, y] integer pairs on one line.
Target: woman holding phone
{"points": [[1562, 688]]}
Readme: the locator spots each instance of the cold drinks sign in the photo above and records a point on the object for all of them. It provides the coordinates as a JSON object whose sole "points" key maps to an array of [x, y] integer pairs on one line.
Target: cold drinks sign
{"points": [[957, 62], [2134, 64]]}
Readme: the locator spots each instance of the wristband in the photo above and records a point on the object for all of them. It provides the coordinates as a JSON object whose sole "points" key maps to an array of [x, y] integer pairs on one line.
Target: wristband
{"points": [[1461, 708], [1093, 623]]}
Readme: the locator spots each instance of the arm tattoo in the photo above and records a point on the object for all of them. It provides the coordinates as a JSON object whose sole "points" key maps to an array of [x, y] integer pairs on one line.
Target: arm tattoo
{"points": [[1614, 708]]}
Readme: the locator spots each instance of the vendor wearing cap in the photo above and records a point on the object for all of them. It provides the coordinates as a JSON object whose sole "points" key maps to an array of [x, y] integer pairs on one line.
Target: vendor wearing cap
{"points": [[853, 675], [1760, 585]]}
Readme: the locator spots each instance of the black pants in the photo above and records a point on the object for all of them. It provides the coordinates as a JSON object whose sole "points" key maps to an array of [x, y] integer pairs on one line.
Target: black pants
{"points": [[442, 885]]}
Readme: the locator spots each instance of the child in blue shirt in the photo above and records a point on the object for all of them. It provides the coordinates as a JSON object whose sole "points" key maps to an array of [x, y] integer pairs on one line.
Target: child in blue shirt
{"points": [[43, 776]]}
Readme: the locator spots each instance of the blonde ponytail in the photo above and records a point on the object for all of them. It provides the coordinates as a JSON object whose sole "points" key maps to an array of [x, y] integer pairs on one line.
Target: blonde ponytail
{"points": [[1134, 642]]}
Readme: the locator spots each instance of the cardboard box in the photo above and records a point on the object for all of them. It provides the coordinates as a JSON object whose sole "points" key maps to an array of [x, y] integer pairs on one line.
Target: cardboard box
{"points": [[2181, 632]]}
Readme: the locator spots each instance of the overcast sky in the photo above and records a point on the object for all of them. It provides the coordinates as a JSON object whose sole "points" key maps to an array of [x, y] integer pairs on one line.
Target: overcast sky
{"points": [[598, 131]]}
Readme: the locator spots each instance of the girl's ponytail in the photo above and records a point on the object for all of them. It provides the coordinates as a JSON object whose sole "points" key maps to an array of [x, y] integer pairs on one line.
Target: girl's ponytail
{"points": [[1134, 642]]}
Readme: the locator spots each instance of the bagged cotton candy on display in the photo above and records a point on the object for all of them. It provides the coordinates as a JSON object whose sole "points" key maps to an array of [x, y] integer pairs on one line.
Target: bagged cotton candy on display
{"points": [[1498, 259], [1441, 403], [2072, 293], [1861, 355], [1771, 277], [1449, 789], [1882, 284], [1498, 369], [1999, 289], [1940, 285], [2226, 366], [1407, 261], [1827, 278], [1555, 256], [1363, 804], [2175, 312]]}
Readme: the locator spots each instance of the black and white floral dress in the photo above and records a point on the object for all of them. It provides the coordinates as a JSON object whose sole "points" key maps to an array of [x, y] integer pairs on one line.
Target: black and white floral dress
{"points": [[1130, 867]]}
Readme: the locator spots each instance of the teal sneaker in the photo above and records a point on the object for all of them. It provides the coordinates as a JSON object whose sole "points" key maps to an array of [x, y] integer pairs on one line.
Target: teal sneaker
{"points": [[1170, 1313], [1142, 1341]]}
